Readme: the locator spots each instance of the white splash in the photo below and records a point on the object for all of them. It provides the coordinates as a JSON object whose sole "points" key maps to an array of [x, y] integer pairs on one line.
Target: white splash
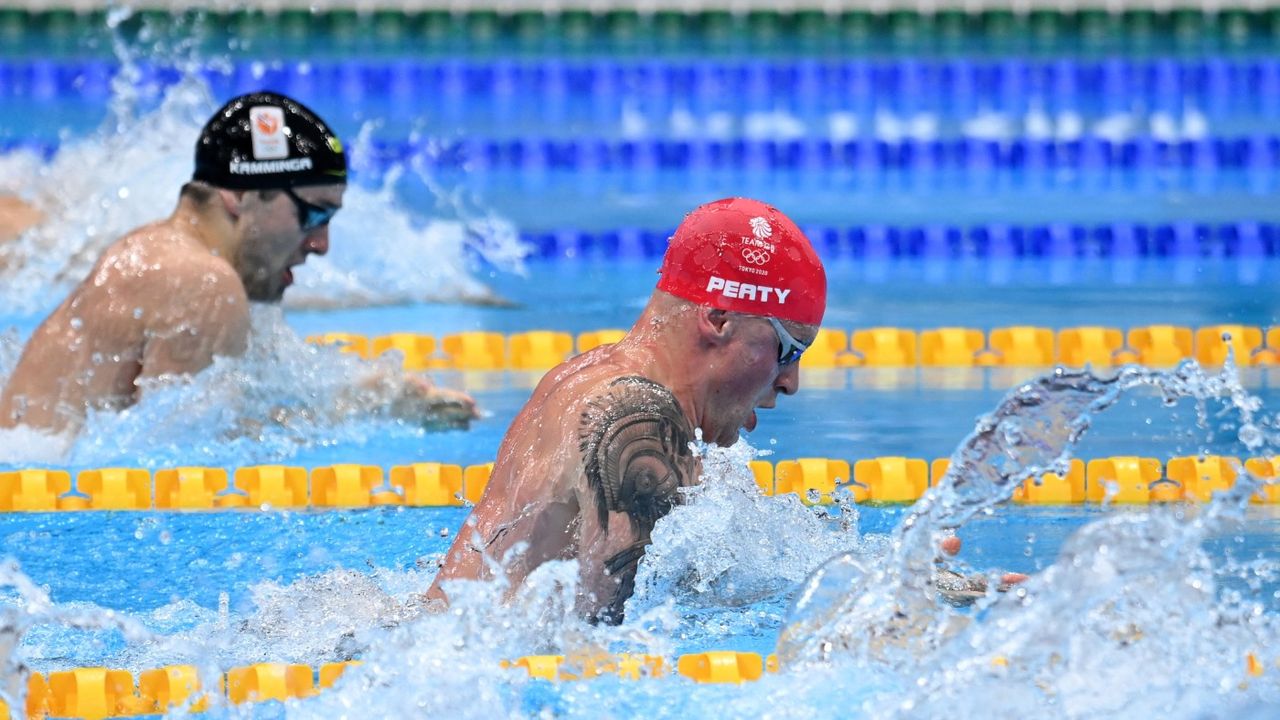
{"points": [[1133, 598], [99, 187], [281, 398], [728, 545]]}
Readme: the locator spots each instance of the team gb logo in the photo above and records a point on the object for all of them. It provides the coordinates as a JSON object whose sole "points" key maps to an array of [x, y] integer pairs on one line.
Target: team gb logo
{"points": [[760, 228], [757, 250]]}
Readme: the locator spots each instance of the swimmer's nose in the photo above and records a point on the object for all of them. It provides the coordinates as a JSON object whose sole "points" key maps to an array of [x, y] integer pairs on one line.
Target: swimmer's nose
{"points": [[316, 241], [788, 381]]}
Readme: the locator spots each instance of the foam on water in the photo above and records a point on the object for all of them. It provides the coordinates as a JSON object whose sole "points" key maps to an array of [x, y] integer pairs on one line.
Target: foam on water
{"points": [[24, 607], [1131, 619], [1134, 617], [282, 397], [711, 559]]}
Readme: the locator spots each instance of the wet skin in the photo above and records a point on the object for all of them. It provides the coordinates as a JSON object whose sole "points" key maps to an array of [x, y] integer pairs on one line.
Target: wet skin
{"points": [[163, 300], [16, 217], [599, 452]]}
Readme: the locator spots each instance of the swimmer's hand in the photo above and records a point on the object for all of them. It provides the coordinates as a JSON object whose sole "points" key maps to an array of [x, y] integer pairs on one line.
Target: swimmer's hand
{"points": [[420, 401], [962, 590]]}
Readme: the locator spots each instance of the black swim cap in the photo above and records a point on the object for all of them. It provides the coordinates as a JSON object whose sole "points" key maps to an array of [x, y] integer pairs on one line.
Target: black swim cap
{"points": [[263, 141]]}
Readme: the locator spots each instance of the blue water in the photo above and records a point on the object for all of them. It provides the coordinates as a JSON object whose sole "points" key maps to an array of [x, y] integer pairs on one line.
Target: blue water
{"points": [[916, 412], [595, 163], [142, 562], [846, 143]]}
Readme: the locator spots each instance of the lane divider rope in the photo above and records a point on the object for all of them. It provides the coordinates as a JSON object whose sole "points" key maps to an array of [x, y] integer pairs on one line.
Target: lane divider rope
{"points": [[95, 693], [1121, 480], [1211, 83], [906, 23], [882, 347], [1246, 241], [1243, 163]]}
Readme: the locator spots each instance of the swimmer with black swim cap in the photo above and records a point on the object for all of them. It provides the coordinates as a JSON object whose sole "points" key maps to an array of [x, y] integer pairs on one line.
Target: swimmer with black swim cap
{"points": [[170, 296], [275, 146]]}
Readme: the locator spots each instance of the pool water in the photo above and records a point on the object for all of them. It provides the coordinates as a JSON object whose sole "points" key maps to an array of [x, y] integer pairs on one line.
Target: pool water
{"points": [[229, 588], [530, 191]]}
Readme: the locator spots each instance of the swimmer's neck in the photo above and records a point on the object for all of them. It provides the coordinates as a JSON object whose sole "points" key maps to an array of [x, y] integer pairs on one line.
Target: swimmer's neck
{"points": [[652, 355], [209, 223]]}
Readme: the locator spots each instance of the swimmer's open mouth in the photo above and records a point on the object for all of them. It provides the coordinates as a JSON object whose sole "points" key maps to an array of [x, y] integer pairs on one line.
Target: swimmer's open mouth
{"points": [[288, 276], [751, 422]]}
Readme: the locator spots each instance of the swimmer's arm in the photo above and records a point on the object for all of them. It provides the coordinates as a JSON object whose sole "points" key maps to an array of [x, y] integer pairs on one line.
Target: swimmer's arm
{"points": [[961, 590], [411, 397], [203, 318], [634, 441]]}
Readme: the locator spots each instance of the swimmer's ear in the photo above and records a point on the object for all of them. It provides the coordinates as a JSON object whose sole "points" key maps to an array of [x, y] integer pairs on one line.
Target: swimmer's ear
{"points": [[714, 325], [232, 201]]}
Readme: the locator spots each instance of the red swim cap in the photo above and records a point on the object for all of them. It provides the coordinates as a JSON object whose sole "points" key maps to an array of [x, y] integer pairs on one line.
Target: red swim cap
{"points": [[742, 255]]}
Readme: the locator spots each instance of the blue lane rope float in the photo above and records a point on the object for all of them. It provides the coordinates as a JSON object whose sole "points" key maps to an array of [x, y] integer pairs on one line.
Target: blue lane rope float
{"points": [[1246, 164], [1116, 240], [1213, 85], [1256, 153]]}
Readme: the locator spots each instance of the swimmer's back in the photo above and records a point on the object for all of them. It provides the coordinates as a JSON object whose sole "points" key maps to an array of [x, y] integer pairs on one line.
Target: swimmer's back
{"points": [[533, 492], [546, 429], [154, 302]]}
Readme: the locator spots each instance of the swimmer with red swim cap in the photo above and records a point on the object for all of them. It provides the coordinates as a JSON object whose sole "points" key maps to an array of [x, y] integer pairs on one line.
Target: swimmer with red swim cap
{"points": [[599, 452]]}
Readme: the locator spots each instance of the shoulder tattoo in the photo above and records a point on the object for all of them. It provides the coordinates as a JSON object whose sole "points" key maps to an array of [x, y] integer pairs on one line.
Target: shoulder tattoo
{"points": [[634, 440], [622, 567]]}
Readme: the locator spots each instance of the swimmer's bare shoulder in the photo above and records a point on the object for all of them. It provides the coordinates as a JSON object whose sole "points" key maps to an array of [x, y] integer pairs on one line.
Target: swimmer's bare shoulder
{"points": [[586, 469], [191, 304], [531, 497], [633, 440]]}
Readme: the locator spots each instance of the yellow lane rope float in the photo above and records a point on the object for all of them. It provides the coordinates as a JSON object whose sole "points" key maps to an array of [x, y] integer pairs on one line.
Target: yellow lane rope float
{"points": [[94, 693], [881, 347], [875, 481]]}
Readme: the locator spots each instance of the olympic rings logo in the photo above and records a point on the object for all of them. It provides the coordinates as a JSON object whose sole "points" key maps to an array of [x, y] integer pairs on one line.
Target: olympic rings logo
{"points": [[756, 256]]}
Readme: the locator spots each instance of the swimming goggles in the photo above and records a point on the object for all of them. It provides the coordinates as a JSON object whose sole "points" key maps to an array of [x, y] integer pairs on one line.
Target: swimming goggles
{"points": [[310, 216], [789, 348]]}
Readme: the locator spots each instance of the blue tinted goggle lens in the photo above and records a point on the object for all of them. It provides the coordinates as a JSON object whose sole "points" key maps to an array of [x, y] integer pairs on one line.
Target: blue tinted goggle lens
{"points": [[789, 348], [310, 216]]}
